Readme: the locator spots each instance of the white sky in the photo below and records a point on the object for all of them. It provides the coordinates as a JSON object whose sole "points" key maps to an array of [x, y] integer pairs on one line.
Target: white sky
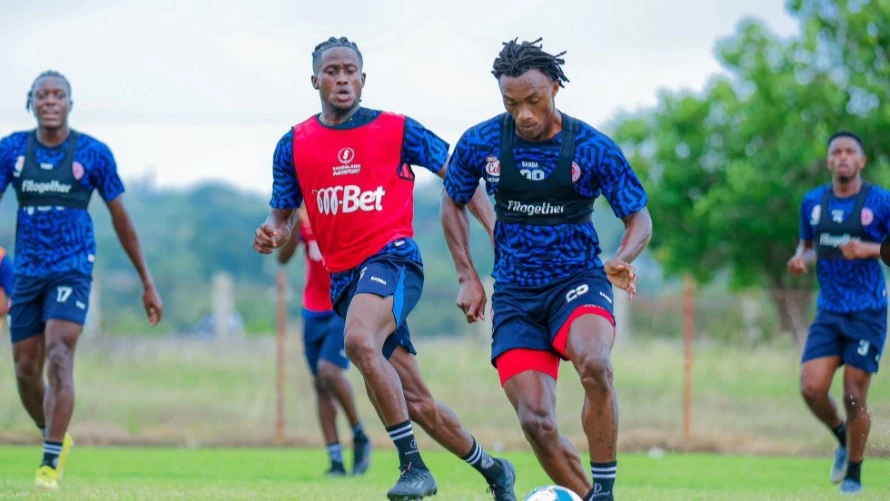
{"points": [[197, 90]]}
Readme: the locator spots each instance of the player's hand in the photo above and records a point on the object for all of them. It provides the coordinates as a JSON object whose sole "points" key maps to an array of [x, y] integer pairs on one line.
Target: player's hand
{"points": [[313, 250], [797, 265], [266, 238], [622, 275], [854, 249], [471, 299], [154, 307]]}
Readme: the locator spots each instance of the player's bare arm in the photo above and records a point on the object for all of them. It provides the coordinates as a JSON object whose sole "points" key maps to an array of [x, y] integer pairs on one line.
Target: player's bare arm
{"points": [[456, 225], [857, 249], [275, 231], [287, 251], [126, 233], [637, 233], [803, 258], [480, 206]]}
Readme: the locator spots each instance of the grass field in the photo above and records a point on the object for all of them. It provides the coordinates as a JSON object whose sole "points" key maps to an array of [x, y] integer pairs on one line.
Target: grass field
{"points": [[218, 474], [190, 393]]}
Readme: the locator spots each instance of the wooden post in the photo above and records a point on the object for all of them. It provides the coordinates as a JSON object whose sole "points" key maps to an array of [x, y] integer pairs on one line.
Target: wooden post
{"points": [[281, 358], [688, 335]]}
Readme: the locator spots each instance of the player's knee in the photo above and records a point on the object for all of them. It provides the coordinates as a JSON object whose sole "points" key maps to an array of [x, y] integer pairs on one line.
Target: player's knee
{"points": [[596, 373], [854, 400], [59, 362], [27, 369], [328, 374], [360, 346], [812, 390], [540, 427]]}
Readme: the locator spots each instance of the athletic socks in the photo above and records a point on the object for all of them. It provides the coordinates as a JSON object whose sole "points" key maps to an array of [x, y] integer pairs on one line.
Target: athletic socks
{"points": [[603, 480], [479, 459], [358, 433], [335, 452], [854, 471], [841, 433], [51, 451], [402, 435]]}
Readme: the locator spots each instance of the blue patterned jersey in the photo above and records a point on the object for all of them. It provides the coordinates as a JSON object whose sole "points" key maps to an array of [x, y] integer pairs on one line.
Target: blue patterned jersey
{"points": [[53, 239], [419, 147], [529, 255], [849, 285]]}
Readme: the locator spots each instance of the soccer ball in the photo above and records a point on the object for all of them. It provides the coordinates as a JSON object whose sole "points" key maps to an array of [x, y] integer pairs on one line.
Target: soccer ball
{"points": [[551, 493]]}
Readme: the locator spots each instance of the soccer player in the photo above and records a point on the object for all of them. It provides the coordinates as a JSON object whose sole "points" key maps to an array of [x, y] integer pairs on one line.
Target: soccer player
{"points": [[353, 166], [841, 225], [324, 349], [54, 171], [552, 294]]}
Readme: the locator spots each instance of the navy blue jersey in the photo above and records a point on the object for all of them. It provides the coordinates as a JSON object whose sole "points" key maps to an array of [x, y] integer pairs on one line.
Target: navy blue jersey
{"points": [[419, 147], [848, 285], [531, 255], [55, 239]]}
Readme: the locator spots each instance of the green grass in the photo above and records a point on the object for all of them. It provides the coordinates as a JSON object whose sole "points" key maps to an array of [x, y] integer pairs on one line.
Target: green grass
{"points": [[218, 474], [185, 392]]}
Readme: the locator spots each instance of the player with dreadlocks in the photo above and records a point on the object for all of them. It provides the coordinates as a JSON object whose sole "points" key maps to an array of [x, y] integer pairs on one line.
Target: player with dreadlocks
{"points": [[54, 171], [553, 295], [353, 165]]}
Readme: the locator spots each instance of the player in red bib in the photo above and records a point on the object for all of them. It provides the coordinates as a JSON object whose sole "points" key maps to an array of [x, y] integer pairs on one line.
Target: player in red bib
{"points": [[353, 166], [326, 355]]}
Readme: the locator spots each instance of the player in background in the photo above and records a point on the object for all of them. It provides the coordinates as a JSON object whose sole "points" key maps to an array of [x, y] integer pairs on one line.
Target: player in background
{"points": [[325, 353], [353, 166], [552, 294], [841, 227], [54, 171]]}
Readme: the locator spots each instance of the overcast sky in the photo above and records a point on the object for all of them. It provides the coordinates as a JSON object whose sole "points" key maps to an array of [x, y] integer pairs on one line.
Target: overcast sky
{"points": [[196, 90]]}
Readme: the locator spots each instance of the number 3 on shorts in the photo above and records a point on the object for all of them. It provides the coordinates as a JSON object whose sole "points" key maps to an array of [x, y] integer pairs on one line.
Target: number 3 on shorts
{"points": [[863, 348]]}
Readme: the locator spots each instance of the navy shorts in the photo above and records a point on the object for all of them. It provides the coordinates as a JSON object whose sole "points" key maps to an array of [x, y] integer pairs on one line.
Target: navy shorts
{"points": [[35, 300], [531, 317], [857, 338], [323, 339], [384, 276]]}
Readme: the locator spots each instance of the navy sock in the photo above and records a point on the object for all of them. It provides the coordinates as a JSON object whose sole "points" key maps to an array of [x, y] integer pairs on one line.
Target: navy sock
{"points": [[402, 435], [358, 433], [603, 480], [51, 451], [479, 459], [854, 471], [841, 434], [335, 452]]}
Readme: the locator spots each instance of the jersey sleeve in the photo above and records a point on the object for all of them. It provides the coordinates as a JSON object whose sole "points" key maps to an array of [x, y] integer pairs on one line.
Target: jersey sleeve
{"points": [[464, 171], [103, 173], [285, 188], [806, 229], [883, 216], [423, 148], [618, 182]]}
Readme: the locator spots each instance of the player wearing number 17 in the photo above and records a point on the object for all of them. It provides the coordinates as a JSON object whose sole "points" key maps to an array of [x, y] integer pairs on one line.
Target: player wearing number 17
{"points": [[352, 166], [552, 294]]}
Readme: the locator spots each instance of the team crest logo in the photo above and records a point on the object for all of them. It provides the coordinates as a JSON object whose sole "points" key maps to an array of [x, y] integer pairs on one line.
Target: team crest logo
{"points": [[346, 156], [346, 163], [837, 216], [576, 172], [815, 214], [867, 216], [77, 168], [19, 165], [492, 166]]}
